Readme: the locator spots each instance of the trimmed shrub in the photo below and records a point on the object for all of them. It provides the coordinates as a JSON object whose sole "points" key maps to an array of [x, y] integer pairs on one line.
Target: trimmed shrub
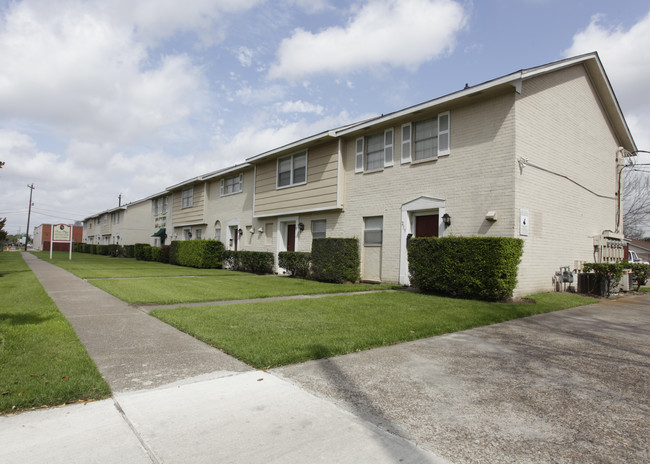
{"points": [[160, 254], [258, 262], [92, 248], [197, 253], [608, 275], [114, 250], [138, 251], [128, 251], [483, 268], [641, 274], [335, 260], [296, 262]]}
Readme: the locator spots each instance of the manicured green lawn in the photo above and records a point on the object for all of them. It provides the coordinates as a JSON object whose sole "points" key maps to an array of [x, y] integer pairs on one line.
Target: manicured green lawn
{"points": [[235, 287], [88, 266], [42, 362], [285, 332], [140, 282]]}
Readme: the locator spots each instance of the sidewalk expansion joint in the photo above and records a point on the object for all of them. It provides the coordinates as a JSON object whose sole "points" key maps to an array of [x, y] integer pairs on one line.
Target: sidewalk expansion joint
{"points": [[148, 450]]}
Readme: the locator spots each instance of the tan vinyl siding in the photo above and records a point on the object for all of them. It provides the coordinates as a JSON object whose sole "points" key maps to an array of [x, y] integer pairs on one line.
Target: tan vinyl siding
{"points": [[320, 191], [193, 214]]}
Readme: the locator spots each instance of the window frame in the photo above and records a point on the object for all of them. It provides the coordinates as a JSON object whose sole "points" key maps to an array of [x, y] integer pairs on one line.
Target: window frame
{"points": [[239, 183], [190, 198], [292, 170], [367, 230], [442, 139], [387, 151], [324, 232]]}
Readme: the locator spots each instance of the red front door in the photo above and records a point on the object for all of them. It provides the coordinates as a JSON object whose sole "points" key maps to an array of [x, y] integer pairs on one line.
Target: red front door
{"points": [[291, 237], [426, 226]]}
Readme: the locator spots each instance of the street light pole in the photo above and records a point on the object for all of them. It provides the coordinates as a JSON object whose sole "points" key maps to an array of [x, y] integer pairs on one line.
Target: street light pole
{"points": [[31, 190]]}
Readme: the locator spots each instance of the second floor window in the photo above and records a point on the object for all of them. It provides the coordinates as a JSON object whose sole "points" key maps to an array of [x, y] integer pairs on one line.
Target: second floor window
{"points": [[232, 185], [292, 170], [187, 198]]}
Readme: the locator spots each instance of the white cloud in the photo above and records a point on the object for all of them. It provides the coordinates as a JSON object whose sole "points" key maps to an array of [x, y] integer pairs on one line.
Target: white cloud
{"points": [[86, 75], [311, 6], [157, 19], [625, 54], [299, 106], [245, 56], [399, 33]]}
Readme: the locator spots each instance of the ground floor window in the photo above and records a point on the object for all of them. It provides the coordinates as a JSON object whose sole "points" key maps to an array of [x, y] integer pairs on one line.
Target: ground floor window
{"points": [[373, 230], [318, 228]]}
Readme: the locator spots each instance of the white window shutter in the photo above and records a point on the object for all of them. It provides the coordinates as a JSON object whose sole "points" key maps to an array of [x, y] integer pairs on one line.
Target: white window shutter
{"points": [[358, 166], [406, 143], [443, 134], [388, 147], [222, 187]]}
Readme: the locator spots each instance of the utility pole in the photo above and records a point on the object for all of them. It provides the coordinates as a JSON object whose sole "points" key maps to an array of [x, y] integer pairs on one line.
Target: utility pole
{"points": [[31, 190]]}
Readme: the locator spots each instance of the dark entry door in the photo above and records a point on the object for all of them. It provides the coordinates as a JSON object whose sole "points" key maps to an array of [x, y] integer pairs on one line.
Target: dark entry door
{"points": [[426, 226], [291, 237]]}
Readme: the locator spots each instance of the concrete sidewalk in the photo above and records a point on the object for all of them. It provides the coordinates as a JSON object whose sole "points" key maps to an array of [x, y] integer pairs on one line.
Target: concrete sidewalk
{"points": [[131, 349], [178, 400]]}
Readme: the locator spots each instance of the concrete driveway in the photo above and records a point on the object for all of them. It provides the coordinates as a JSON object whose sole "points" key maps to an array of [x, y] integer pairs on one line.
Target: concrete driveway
{"points": [[569, 386]]}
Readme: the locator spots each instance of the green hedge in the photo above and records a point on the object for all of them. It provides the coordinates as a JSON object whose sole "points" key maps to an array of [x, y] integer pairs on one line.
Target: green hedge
{"points": [[139, 251], [258, 262], [296, 262], [160, 254], [483, 268], [335, 260], [92, 249], [197, 253], [128, 251]]}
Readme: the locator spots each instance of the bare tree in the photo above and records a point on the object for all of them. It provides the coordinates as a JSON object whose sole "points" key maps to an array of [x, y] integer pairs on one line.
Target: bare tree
{"points": [[636, 202]]}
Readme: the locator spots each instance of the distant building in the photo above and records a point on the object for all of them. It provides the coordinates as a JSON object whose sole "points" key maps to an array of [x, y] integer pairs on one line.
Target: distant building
{"points": [[43, 236]]}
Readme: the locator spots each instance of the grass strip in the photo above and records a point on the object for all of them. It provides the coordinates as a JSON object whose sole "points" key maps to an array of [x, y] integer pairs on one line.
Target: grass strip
{"points": [[42, 362], [89, 266], [170, 291], [272, 334]]}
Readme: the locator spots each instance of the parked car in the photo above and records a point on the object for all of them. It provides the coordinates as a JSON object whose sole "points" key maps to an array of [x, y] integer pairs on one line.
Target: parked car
{"points": [[634, 258]]}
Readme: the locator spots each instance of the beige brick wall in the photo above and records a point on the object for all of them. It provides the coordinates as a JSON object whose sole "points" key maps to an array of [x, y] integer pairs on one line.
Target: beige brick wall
{"points": [[231, 210], [562, 127], [137, 226], [476, 177]]}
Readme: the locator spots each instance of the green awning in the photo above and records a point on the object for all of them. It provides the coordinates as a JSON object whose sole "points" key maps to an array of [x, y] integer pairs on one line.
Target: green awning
{"points": [[160, 233]]}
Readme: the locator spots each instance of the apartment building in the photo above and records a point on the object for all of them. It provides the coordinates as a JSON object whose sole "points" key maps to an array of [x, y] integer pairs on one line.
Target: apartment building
{"points": [[534, 154]]}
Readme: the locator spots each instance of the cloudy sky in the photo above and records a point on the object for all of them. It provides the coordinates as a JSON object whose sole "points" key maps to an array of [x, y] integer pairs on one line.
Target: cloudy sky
{"points": [[100, 98]]}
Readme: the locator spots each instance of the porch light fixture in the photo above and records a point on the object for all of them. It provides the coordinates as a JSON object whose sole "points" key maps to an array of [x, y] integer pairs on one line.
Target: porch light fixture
{"points": [[240, 232], [301, 226], [446, 219]]}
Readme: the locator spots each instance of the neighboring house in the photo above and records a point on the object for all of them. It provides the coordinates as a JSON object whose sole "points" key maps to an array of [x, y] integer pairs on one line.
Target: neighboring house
{"points": [[43, 233], [533, 155]]}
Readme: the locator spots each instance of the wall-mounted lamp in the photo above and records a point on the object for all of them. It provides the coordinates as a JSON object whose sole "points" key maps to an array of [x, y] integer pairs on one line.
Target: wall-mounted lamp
{"points": [[251, 230], [446, 219], [189, 235], [260, 230], [241, 232], [301, 226]]}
